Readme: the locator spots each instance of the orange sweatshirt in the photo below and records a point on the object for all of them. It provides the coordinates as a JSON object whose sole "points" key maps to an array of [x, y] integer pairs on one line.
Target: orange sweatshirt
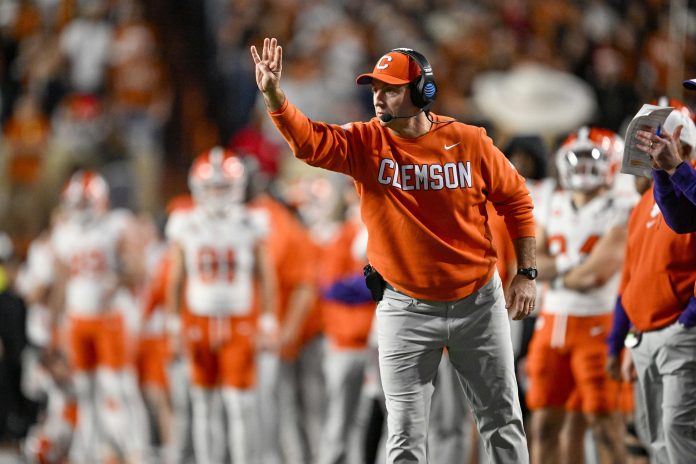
{"points": [[659, 268], [423, 200], [504, 248], [293, 256]]}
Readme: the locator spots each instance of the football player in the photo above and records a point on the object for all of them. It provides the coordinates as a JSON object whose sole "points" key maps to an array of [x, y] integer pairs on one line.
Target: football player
{"points": [[292, 255], [348, 311], [45, 371], [580, 251], [153, 355], [217, 249], [88, 273]]}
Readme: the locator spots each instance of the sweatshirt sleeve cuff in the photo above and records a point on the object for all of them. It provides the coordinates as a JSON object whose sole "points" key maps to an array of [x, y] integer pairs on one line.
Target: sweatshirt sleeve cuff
{"points": [[661, 179], [619, 329], [280, 110], [684, 176]]}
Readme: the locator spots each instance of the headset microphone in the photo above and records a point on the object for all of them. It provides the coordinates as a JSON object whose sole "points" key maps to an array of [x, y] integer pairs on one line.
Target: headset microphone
{"points": [[386, 117]]}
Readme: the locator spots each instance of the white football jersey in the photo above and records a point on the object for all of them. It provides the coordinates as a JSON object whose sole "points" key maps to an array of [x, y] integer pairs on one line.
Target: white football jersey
{"points": [[36, 273], [125, 302], [37, 270], [541, 192], [91, 253], [219, 258], [575, 231]]}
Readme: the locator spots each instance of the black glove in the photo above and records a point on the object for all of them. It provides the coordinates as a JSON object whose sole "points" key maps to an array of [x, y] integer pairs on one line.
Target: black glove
{"points": [[375, 282]]}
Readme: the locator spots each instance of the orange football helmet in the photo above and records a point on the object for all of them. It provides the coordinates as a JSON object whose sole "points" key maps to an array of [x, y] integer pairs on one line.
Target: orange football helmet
{"points": [[218, 180], [589, 158], [86, 195]]}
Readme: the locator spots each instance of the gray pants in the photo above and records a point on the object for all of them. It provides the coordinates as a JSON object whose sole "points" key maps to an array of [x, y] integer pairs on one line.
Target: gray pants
{"points": [[412, 334], [291, 403], [344, 371], [665, 362], [449, 434], [301, 395]]}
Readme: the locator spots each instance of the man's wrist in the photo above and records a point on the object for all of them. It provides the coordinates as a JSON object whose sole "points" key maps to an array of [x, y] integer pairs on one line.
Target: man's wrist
{"points": [[274, 100], [671, 171], [529, 272]]}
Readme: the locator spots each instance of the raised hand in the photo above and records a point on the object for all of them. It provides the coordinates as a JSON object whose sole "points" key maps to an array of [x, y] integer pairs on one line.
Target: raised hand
{"points": [[664, 148], [269, 66]]}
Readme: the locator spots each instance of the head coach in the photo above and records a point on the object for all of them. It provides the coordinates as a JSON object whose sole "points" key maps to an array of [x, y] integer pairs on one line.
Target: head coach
{"points": [[424, 181]]}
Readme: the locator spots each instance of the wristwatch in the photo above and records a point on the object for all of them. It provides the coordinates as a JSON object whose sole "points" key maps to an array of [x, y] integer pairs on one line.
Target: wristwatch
{"points": [[528, 272]]}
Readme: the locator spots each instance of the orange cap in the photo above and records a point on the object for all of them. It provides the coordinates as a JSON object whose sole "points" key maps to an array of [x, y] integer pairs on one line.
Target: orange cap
{"points": [[393, 68]]}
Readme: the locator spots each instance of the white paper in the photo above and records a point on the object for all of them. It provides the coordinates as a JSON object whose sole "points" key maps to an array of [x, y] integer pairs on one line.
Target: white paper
{"points": [[635, 161]]}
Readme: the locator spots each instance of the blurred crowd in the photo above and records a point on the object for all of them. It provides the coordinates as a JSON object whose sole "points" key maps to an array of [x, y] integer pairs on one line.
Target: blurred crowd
{"points": [[135, 90], [83, 85], [626, 51]]}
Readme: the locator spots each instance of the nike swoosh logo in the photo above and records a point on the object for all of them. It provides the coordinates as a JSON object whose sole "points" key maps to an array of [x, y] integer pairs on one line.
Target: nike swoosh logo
{"points": [[650, 223], [447, 147]]}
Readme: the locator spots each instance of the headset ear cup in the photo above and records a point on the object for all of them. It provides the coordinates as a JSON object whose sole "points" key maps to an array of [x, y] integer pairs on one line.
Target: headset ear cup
{"points": [[429, 91], [417, 93], [423, 90]]}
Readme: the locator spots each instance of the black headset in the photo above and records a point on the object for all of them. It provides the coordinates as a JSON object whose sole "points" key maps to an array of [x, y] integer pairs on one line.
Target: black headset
{"points": [[423, 89]]}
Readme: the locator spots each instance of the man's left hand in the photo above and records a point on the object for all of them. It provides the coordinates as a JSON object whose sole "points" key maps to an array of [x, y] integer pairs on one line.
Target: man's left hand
{"points": [[521, 297]]}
